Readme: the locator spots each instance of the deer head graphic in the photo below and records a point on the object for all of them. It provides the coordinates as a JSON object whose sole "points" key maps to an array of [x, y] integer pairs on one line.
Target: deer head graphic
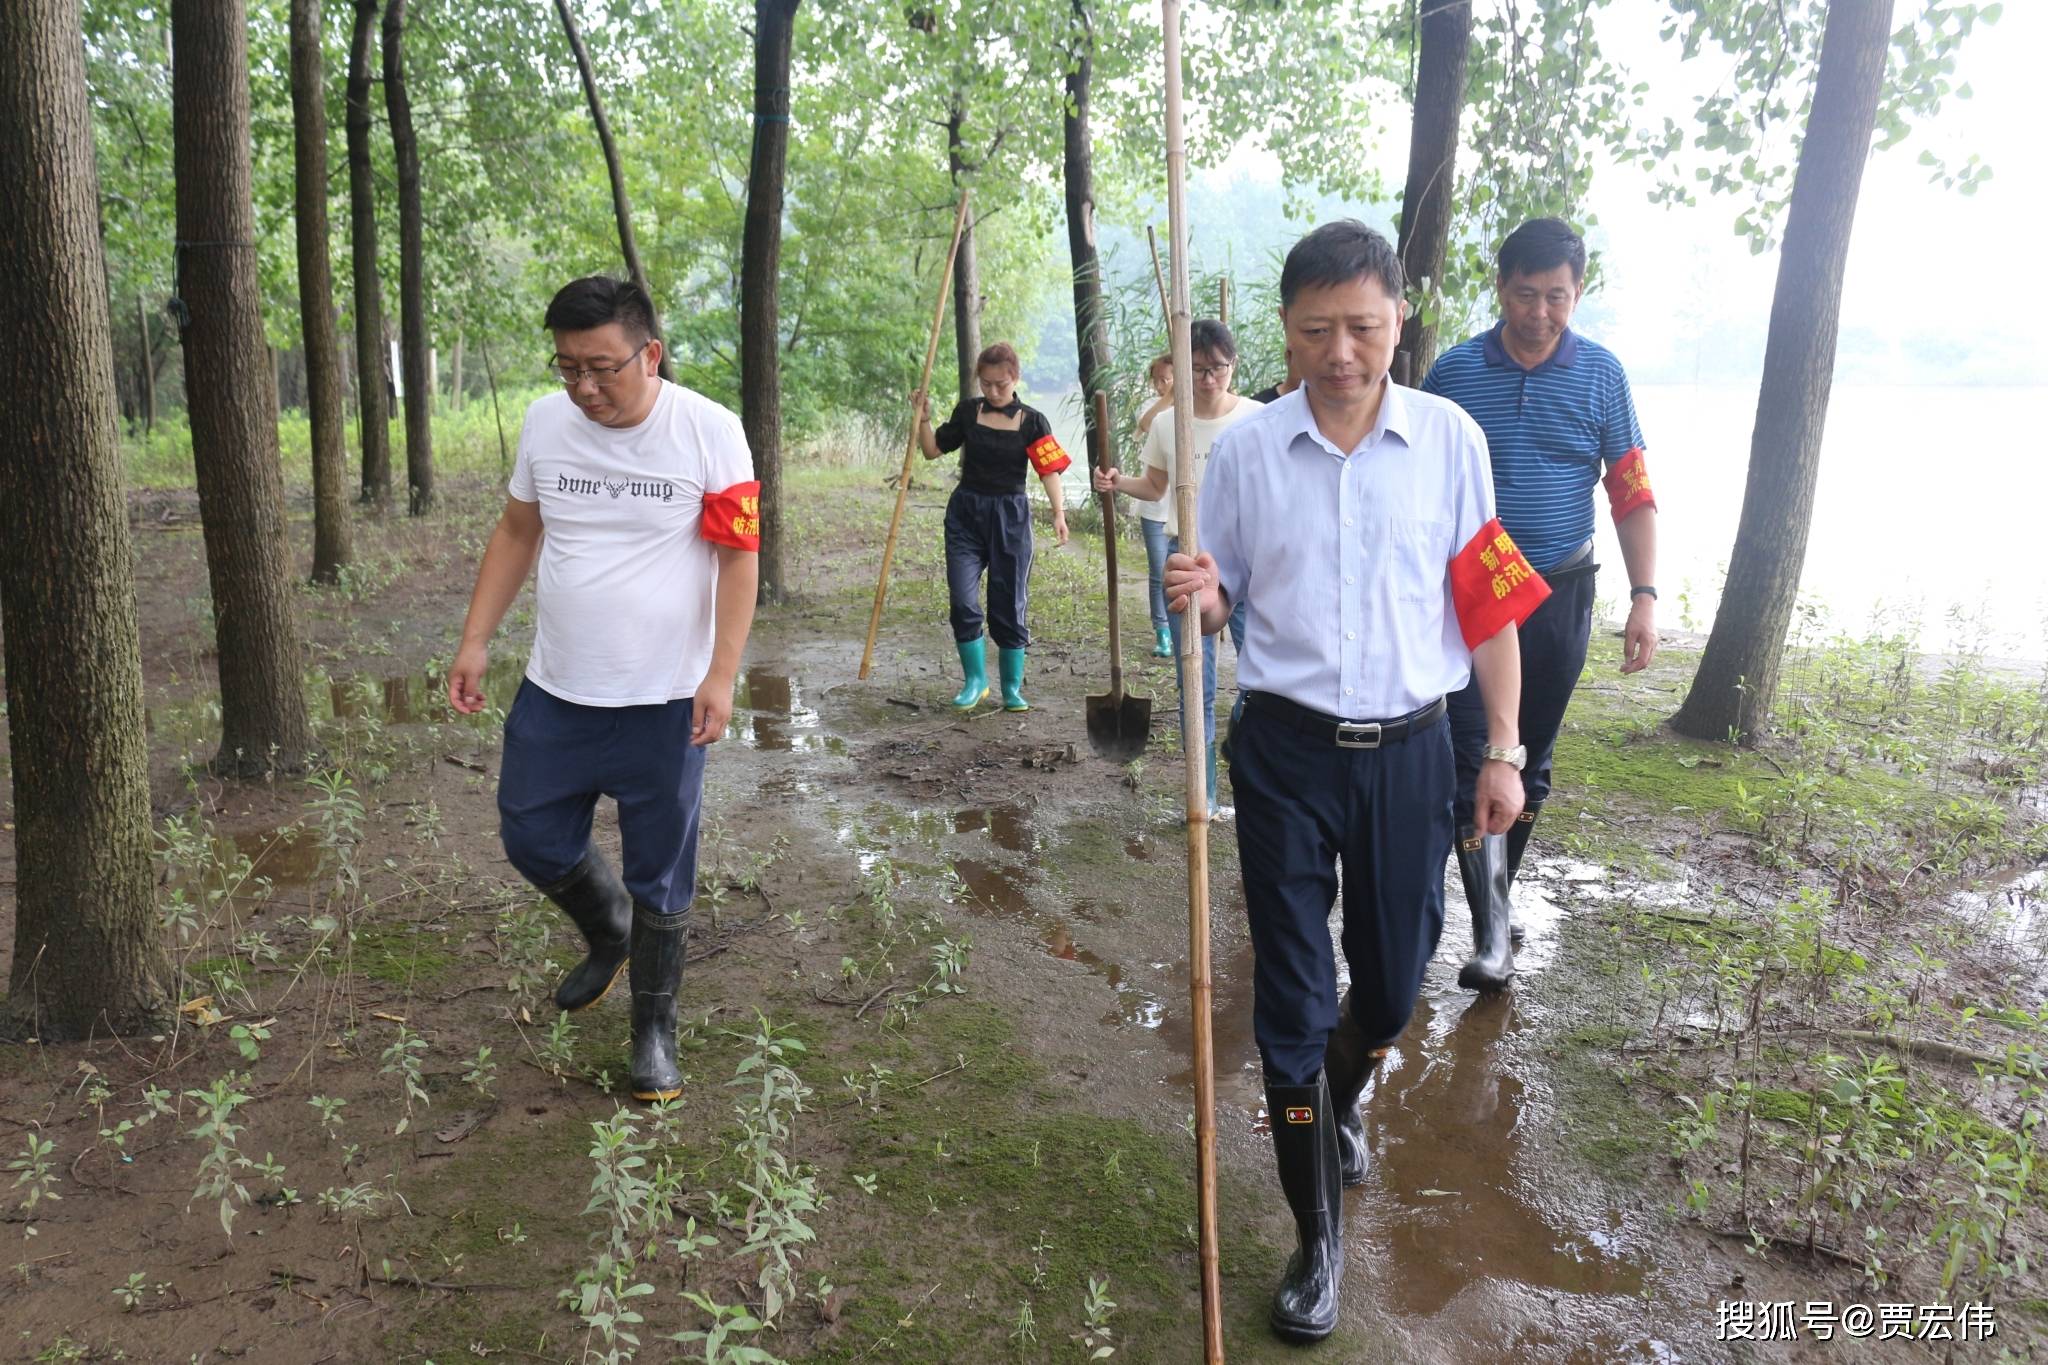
{"points": [[614, 488]]}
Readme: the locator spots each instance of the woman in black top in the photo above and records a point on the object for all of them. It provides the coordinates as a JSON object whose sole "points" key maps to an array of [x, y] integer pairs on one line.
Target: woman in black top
{"points": [[988, 519]]}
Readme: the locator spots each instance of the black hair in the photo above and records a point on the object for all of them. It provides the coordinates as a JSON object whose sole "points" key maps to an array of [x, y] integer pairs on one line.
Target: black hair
{"points": [[1540, 245], [596, 300], [1207, 334], [1338, 253]]}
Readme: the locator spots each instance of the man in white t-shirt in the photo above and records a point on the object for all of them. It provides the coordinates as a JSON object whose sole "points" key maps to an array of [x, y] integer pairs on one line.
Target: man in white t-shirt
{"points": [[1217, 410], [638, 498]]}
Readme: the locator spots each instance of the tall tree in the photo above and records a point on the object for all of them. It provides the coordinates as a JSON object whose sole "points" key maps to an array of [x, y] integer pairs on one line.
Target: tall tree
{"points": [[231, 395], [412, 271], [316, 294], [621, 209], [372, 398], [1091, 334], [88, 956], [966, 269], [760, 268], [1445, 42], [1737, 681]]}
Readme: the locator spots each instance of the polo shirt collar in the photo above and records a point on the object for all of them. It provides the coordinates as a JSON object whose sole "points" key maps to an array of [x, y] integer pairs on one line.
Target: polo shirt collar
{"points": [[1563, 358], [1393, 419]]}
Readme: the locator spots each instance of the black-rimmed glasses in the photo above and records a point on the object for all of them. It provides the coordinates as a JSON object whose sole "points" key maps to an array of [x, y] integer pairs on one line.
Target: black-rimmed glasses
{"points": [[604, 376]]}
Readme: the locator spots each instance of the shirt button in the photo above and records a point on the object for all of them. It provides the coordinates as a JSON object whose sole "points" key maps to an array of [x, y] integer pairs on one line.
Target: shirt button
{"points": [[1351, 635], [1347, 521], [1347, 691], [1347, 578]]}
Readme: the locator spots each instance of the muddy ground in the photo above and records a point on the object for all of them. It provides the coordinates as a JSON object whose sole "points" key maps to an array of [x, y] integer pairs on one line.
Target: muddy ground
{"points": [[989, 1137]]}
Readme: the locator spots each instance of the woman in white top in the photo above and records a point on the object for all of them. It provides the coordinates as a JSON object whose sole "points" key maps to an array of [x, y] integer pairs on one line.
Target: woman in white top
{"points": [[1216, 410]]}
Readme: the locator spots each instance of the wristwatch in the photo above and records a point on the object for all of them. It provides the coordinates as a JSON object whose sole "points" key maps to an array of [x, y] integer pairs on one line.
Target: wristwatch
{"points": [[1640, 589], [1515, 758]]}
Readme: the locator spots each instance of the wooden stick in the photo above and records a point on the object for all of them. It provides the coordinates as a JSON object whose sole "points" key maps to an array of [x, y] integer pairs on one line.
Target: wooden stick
{"points": [[1223, 300], [1103, 460], [1194, 723], [931, 352], [1159, 277]]}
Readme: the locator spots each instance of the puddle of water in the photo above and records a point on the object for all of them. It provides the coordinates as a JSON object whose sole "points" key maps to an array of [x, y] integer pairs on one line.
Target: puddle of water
{"points": [[286, 858], [1134, 1005], [2015, 915], [1137, 846], [1008, 827], [1443, 1121], [769, 714], [994, 887]]}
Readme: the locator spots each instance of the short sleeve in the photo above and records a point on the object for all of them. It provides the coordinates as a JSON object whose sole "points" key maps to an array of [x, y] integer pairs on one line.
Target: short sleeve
{"points": [[1619, 431], [1157, 449], [521, 486], [727, 458], [1217, 517], [1474, 481], [953, 433]]}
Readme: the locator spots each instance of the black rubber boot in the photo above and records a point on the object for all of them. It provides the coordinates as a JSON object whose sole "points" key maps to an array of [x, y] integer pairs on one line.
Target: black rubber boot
{"points": [[1347, 1065], [1305, 1147], [1518, 840], [659, 944], [1483, 865], [593, 896]]}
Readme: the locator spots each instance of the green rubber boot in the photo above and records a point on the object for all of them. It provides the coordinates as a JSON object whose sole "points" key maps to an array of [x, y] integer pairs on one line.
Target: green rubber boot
{"points": [[974, 663], [1012, 663], [1162, 643]]}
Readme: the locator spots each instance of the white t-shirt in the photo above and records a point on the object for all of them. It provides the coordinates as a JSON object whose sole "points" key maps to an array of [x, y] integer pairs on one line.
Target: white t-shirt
{"points": [[1159, 450], [627, 580]]}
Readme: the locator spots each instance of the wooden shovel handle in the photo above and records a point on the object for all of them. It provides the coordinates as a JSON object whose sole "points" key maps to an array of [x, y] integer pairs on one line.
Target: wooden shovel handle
{"points": [[1104, 461]]}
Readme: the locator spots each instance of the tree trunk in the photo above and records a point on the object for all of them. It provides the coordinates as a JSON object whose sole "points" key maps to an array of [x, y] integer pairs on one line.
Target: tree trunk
{"points": [[621, 210], [372, 402], [1446, 43], [1737, 681], [1090, 333], [760, 264], [412, 272], [231, 398], [316, 294], [88, 956], [966, 273], [455, 375]]}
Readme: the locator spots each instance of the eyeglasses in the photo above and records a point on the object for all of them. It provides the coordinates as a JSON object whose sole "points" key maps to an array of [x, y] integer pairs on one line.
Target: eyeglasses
{"points": [[1211, 371], [604, 376]]}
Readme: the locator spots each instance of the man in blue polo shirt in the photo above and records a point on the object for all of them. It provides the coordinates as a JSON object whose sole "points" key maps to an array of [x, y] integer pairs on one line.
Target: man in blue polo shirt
{"points": [[1557, 412], [1355, 521]]}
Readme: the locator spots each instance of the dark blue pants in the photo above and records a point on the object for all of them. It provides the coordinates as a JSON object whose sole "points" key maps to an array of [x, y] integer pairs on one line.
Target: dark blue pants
{"points": [[561, 756], [1553, 655], [991, 532], [1302, 805]]}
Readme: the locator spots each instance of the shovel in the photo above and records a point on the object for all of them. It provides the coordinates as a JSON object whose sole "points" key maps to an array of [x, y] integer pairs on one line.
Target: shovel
{"points": [[1119, 726]]}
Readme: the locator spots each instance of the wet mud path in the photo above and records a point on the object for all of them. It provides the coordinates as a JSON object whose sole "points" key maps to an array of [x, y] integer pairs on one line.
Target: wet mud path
{"points": [[1474, 1233]]}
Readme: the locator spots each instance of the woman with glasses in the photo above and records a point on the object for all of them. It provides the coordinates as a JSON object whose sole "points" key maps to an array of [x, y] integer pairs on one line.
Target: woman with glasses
{"points": [[1216, 410], [988, 519]]}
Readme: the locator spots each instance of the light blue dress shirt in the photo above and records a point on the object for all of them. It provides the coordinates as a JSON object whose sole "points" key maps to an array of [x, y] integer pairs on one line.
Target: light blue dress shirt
{"points": [[1343, 557]]}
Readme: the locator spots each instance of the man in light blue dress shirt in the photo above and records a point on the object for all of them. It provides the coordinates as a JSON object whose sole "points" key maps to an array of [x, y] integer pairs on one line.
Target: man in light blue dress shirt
{"points": [[1355, 519]]}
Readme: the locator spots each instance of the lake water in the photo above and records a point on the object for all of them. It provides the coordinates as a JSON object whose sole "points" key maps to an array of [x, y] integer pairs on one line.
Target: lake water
{"points": [[1927, 509]]}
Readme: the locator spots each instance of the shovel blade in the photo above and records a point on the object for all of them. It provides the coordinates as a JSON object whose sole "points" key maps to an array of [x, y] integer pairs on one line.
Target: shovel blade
{"points": [[1119, 728]]}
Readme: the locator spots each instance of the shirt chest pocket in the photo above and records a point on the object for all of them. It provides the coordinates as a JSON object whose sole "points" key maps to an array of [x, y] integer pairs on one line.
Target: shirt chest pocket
{"points": [[1410, 555]]}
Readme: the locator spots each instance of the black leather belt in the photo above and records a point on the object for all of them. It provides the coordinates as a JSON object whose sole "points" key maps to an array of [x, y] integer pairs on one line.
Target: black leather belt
{"points": [[1345, 734], [1579, 561]]}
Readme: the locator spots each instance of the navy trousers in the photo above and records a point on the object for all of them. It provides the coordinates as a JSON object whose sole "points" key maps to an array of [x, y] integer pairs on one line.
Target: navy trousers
{"points": [[561, 756], [1302, 805], [1553, 655], [988, 532]]}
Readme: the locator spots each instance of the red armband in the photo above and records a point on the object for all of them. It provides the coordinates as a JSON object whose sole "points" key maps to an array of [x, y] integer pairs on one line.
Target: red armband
{"points": [[1046, 455], [733, 517], [1628, 485], [1492, 585]]}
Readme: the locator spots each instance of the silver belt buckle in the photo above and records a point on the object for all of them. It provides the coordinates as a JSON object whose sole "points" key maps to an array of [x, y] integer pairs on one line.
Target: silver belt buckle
{"points": [[1365, 736]]}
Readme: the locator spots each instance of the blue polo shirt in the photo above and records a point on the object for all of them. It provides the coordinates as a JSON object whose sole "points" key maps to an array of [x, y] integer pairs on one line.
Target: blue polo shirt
{"points": [[1549, 430]]}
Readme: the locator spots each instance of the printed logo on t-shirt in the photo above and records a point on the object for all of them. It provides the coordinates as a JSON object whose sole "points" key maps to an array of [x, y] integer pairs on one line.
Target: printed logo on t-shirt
{"points": [[661, 492]]}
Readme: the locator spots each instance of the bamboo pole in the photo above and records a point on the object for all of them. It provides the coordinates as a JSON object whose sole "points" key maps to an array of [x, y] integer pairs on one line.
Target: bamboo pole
{"points": [[1194, 723], [931, 351]]}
